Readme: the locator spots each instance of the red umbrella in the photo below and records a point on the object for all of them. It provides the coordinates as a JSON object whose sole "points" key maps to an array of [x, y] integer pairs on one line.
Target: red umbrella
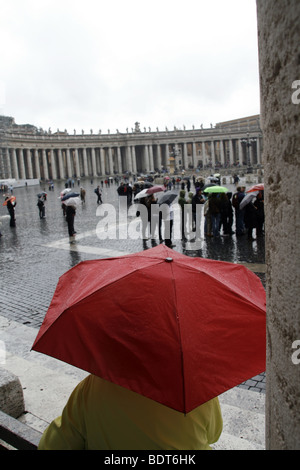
{"points": [[176, 329], [12, 199], [256, 187]]}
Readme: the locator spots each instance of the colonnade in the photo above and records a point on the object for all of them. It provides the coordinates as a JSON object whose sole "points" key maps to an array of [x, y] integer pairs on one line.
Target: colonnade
{"points": [[52, 158]]}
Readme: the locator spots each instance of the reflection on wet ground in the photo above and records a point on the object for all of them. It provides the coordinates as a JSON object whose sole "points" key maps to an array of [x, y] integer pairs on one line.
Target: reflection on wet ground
{"points": [[37, 251]]}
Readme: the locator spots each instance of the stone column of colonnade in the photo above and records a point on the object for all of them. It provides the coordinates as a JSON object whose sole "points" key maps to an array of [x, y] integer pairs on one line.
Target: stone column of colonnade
{"points": [[67, 162]]}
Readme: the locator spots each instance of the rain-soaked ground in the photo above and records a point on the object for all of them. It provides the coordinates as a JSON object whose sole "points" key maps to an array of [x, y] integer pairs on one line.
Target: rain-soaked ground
{"points": [[37, 251]]}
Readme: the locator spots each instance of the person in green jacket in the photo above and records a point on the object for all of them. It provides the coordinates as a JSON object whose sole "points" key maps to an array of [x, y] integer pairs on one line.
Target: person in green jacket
{"points": [[100, 415]]}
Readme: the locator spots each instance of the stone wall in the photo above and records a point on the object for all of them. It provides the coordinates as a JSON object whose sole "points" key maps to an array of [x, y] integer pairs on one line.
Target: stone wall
{"points": [[279, 60]]}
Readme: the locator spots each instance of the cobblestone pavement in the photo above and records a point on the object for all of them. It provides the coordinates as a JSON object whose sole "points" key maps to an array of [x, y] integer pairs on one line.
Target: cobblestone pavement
{"points": [[37, 251]]}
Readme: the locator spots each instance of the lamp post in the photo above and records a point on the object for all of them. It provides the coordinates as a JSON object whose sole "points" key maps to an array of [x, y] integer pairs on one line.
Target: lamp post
{"points": [[248, 142]]}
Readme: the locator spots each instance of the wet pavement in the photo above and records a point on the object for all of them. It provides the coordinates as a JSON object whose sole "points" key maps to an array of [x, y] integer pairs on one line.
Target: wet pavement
{"points": [[37, 251]]}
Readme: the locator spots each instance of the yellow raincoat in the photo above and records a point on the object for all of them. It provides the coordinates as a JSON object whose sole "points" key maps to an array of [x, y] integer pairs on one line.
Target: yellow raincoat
{"points": [[100, 415]]}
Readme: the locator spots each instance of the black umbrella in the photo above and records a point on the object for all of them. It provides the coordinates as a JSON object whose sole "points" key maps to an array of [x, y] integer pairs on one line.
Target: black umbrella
{"points": [[168, 197], [208, 186]]}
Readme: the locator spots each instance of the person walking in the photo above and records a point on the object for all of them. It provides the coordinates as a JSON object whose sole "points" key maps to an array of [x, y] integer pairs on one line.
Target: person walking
{"points": [[11, 210], [70, 216], [239, 213], [41, 206], [215, 212], [82, 194], [99, 195], [182, 201]]}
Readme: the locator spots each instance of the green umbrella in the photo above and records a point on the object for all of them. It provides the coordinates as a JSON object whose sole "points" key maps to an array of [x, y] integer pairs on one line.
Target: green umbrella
{"points": [[216, 189]]}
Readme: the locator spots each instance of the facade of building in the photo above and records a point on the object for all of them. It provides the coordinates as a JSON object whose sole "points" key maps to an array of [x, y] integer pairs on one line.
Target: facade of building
{"points": [[28, 152]]}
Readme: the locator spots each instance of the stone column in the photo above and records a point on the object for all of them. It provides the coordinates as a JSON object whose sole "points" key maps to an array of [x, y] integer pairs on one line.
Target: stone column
{"points": [[8, 162], [133, 156], [110, 161], [146, 159], [102, 161], [15, 169], [128, 159], [231, 156], [85, 162], [94, 168], [240, 152], [120, 170], [222, 157], [167, 156], [77, 172], [21, 165], [158, 153], [53, 165], [279, 67], [60, 164], [37, 164], [69, 168], [45, 164], [212, 152], [151, 161], [29, 164], [203, 153], [185, 156], [194, 155]]}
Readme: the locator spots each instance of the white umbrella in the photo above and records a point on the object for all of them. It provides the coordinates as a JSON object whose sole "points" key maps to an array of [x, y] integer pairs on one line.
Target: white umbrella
{"points": [[141, 194], [248, 198], [73, 201]]}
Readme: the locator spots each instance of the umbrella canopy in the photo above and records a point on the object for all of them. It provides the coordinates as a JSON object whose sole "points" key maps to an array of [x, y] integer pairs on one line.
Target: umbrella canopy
{"points": [[65, 191], [68, 195], [248, 198], [73, 201], [141, 194], [209, 185], [168, 197], [179, 330], [155, 189], [216, 189], [148, 191], [12, 199], [256, 187], [42, 194]]}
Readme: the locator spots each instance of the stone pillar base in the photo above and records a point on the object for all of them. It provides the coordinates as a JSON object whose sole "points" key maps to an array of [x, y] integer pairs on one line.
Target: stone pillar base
{"points": [[11, 394]]}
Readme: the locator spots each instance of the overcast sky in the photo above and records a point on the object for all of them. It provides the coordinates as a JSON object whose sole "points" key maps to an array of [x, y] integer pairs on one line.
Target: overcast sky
{"points": [[105, 64]]}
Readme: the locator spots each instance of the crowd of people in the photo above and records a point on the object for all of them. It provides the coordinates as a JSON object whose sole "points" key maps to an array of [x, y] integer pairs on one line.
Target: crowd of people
{"points": [[223, 215]]}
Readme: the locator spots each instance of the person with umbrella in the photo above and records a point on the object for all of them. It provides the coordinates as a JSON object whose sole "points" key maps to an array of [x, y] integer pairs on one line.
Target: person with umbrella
{"points": [[239, 213], [158, 360], [214, 205], [41, 204], [11, 202], [99, 195], [259, 204], [70, 216], [41, 207]]}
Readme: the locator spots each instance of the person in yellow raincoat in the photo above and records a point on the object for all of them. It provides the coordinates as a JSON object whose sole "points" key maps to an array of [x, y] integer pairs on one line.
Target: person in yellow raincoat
{"points": [[100, 415]]}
